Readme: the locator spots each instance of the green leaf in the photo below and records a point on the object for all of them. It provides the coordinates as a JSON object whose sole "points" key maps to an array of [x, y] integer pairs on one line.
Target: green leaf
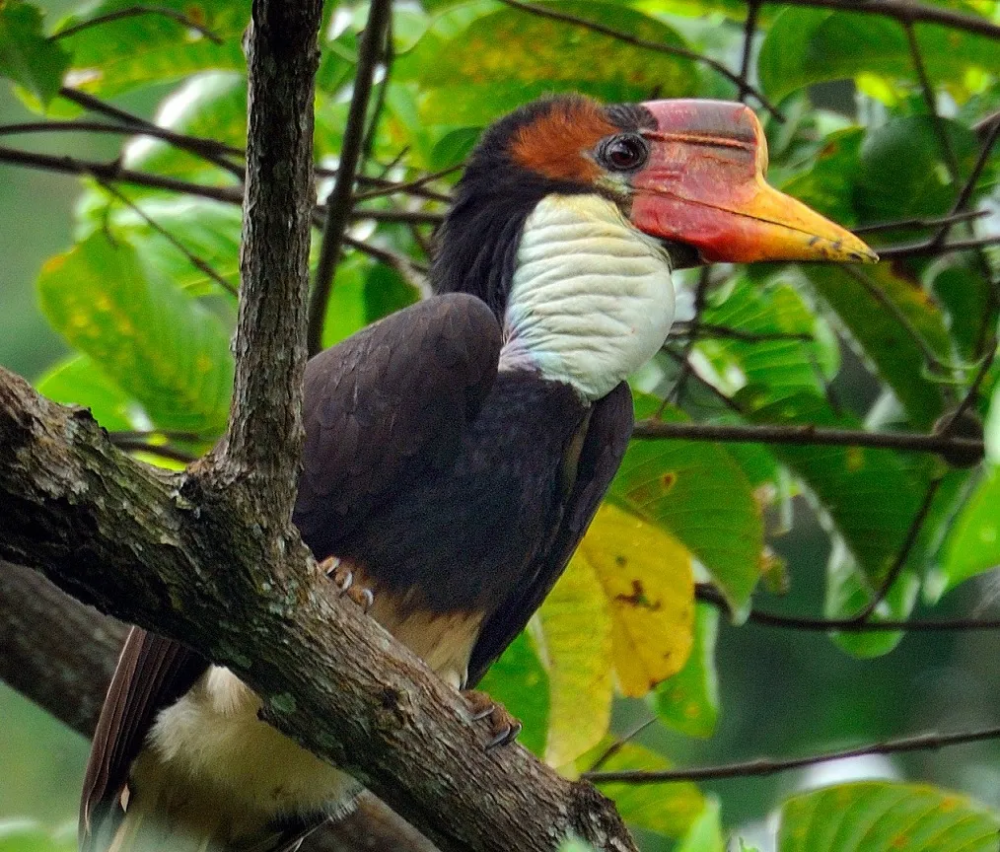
{"points": [[386, 291], [26, 835], [822, 185], [689, 700], [897, 324], [883, 816], [504, 58], [698, 493], [575, 624], [207, 230], [120, 55], [973, 545], [850, 482], [705, 834], [159, 345], [79, 381], [518, 680], [992, 428], [901, 171], [26, 56], [211, 105], [347, 311], [807, 46], [669, 809], [848, 592]]}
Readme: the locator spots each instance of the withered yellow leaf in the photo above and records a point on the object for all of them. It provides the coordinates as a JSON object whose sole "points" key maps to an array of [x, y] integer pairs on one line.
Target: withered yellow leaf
{"points": [[647, 580], [575, 623]]}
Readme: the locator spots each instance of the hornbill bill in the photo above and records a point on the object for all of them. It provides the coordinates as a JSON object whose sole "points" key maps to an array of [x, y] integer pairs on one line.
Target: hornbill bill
{"points": [[456, 451]]}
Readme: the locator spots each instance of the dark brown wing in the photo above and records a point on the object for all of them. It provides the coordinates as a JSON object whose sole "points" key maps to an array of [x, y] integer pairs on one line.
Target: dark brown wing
{"points": [[607, 438], [152, 673], [386, 406]]}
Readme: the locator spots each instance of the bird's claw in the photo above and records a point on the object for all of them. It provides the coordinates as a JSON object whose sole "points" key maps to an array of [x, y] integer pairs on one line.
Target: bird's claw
{"points": [[343, 579], [504, 728]]}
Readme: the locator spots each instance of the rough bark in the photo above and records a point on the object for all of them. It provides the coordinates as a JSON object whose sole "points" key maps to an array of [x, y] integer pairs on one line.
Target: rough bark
{"points": [[61, 653], [162, 551]]}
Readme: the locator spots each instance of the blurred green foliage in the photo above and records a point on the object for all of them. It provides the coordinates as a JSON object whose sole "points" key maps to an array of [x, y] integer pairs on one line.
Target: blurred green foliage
{"points": [[141, 295]]}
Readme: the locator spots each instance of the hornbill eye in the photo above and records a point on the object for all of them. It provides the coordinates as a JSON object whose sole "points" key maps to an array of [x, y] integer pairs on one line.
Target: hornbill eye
{"points": [[624, 153]]}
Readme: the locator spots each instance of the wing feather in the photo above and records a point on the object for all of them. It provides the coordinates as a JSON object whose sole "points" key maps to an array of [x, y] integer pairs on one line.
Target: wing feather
{"points": [[607, 438]]}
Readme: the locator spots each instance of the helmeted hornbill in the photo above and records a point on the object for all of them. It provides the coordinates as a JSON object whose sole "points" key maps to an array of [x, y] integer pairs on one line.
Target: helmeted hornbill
{"points": [[456, 451]]}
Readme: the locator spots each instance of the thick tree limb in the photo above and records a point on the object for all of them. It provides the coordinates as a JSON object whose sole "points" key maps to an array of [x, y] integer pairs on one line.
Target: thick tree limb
{"points": [[60, 654], [158, 550]]}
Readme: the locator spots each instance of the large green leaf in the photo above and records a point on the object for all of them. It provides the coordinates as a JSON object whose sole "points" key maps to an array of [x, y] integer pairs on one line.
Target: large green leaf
{"points": [[902, 172], [503, 57], [851, 483], [151, 49], [698, 493], [806, 46], [883, 816], [973, 545], [705, 834], [26, 56], [155, 342], [896, 323], [519, 681], [669, 809], [79, 381], [689, 701]]}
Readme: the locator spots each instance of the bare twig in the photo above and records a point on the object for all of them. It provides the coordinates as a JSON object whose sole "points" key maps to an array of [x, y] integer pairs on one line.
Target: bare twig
{"points": [[659, 47], [970, 184], [192, 258], [209, 149], [700, 296], [339, 202], [749, 29], [763, 766], [707, 329], [922, 223], [916, 525], [763, 618], [137, 11], [806, 435], [907, 12], [930, 101], [929, 248], [391, 188], [162, 450]]}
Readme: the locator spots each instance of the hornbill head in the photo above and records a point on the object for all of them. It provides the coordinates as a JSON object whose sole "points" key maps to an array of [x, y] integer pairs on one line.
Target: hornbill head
{"points": [[689, 173]]}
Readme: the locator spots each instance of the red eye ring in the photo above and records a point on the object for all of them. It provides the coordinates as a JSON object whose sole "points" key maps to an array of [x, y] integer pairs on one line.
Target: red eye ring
{"points": [[624, 153]]}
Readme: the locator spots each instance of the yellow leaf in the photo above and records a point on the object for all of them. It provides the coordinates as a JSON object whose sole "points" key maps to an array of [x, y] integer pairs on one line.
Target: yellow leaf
{"points": [[575, 622], [647, 580]]}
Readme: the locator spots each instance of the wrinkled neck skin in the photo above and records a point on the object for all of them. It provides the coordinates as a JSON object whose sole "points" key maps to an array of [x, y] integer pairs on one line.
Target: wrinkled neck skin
{"points": [[591, 299]]}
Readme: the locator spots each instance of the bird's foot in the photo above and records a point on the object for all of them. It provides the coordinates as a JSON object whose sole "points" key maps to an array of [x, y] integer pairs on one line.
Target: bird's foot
{"points": [[343, 578], [504, 728]]}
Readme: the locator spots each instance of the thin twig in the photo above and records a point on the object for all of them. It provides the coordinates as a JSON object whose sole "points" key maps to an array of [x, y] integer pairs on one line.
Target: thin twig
{"points": [[749, 28], [949, 426], [339, 202], [418, 183], [645, 44], [764, 766], [708, 594], [922, 223], [905, 11], [904, 552], [930, 100], [163, 450], [707, 329], [208, 149], [970, 184], [700, 296], [196, 261], [805, 435], [928, 248], [136, 11]]}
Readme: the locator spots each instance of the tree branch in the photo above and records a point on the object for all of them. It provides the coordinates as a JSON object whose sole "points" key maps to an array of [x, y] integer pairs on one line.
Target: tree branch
{"points": [[157, 549], [340, 200], [808, 435], [765, 766]]}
